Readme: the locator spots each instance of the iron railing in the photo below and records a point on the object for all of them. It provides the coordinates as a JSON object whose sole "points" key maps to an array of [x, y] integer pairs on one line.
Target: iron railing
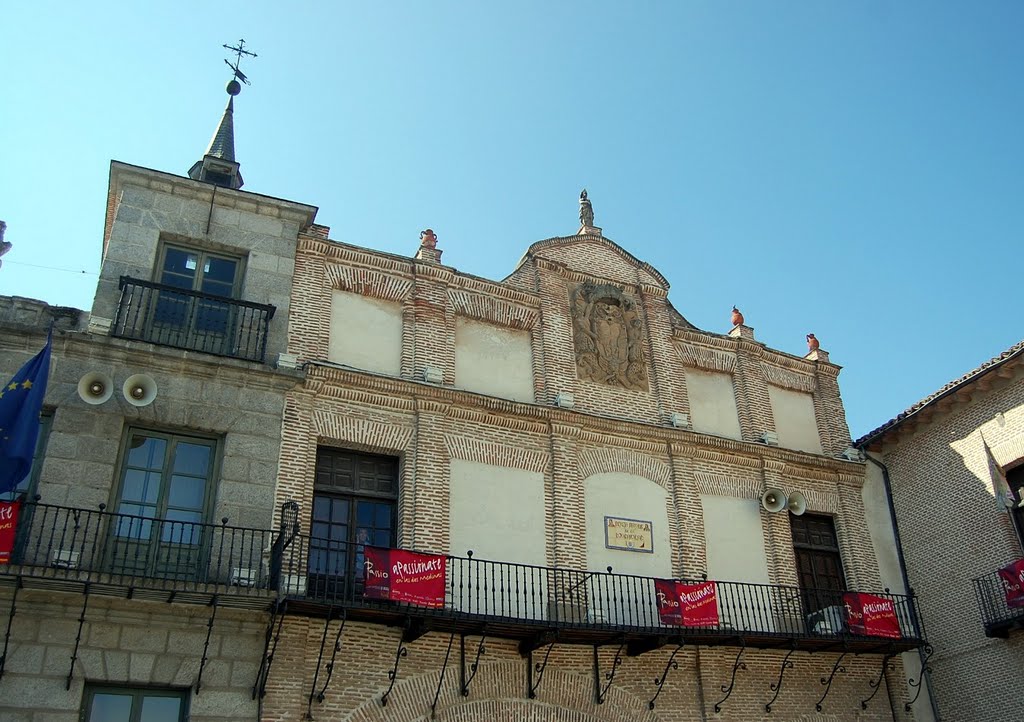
{"points": [[998, 616], [330, 572], [192, 320], [101, 547], [129, 551]]}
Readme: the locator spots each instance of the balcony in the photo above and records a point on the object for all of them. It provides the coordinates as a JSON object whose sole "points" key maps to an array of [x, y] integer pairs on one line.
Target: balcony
{"points": [[191, 320], [95, 551], [996, 602]]}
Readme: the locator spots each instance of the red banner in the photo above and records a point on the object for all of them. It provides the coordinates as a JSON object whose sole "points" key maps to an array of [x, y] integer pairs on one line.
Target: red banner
{"points": [[1013, 582], [9, 511], [871, 616], [687, 605], [403, 576]]}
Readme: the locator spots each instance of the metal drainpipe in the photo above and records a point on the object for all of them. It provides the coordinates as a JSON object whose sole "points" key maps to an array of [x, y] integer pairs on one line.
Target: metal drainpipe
{"points": [[903, 572]]}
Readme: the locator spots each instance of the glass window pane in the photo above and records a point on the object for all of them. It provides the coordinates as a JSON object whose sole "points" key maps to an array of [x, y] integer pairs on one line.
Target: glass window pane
{"points": [[141, 486], [364, 513], [146, 452], [384, 515], [321, 508], [186, 492], [381, 538], [161, 709], [320, 531], [192, 459], [110, 707], [339, 510], [219, 270], [339, 533], [182, 527], [180, 262]]}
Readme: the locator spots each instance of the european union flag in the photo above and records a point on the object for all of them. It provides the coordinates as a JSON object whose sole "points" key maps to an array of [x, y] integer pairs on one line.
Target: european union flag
{"points": [[21, 400]]}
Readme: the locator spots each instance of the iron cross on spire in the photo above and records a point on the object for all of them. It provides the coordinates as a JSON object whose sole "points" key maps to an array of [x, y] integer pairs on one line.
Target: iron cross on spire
{"points": [[239, 50]]}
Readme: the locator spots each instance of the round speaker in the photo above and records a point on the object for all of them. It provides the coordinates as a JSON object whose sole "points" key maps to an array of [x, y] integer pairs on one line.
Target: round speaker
{"points": [[774, 500], [94, 388], [139, 390], [797, 503]]}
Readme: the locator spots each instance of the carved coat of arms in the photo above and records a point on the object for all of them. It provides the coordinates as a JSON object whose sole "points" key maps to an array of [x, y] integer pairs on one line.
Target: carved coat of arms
{"points": [[608, 336]]}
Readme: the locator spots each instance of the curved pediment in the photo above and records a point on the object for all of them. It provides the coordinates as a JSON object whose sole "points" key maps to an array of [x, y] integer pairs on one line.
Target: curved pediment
{"points": [[595, 256]]}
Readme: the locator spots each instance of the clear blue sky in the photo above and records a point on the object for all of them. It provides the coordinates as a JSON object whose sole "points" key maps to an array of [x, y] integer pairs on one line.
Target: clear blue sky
{"points": [[851, 169]]}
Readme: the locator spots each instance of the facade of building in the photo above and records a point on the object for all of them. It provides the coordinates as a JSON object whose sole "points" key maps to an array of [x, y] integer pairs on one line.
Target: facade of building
{"points": [[251, 411], [945, 459]]}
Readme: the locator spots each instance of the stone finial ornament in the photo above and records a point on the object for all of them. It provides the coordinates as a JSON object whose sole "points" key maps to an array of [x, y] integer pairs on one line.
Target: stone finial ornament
{"points": [[4, 245], [812, 343], [428, 239], [586, 210], [737, 317]]}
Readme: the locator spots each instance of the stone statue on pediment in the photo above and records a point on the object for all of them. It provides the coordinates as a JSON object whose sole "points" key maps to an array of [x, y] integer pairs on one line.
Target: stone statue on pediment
{"points": [[608, 336], [586, 210]]}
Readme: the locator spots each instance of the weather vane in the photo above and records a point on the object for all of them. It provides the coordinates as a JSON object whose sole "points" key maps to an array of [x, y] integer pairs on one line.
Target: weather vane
{"points": [[239, 50]]}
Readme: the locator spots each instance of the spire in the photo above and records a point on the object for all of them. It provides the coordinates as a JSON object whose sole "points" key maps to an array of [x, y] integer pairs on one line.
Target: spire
{"points": [[218, 166]]}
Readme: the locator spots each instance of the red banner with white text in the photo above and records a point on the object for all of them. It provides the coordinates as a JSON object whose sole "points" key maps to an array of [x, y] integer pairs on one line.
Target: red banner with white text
{"points": [[871, 615], [9, 511], [687, 605], [1013, 583], [403, 576]]}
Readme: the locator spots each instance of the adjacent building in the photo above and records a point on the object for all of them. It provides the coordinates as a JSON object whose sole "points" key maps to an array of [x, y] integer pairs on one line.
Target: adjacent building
{"points": [[949, 460], [635, 518]]}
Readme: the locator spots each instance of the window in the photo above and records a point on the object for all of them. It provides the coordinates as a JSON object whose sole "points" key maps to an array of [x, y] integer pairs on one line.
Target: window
{"points": [[353, 504], [26, 487], [185, 315], [128, 704], [163, 498], [818, 564]]}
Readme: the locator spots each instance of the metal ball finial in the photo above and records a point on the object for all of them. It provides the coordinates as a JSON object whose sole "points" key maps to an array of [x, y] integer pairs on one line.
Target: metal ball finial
{"points": [[234, 87]]}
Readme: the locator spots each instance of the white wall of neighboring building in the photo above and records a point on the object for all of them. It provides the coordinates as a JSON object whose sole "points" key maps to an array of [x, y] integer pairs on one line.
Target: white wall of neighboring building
{"points": [[366, 333], [712, 403], [493, 360], [795, 421]]}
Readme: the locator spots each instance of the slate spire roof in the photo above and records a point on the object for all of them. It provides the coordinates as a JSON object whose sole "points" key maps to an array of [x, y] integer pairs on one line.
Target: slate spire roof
{"points": [[218, 165], [222, 144]]}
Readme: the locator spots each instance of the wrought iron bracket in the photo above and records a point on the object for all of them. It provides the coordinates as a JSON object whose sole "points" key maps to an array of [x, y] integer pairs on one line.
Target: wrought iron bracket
{"points": [[464, 681], [10, 619], [737, 665], [660, 682], [319, 660], [334, 654], [538, 668], [440, 681], [259, 688], [206, 645], [876, 684], [78, 638], [776, 687], [927, 652], [837, 667], [601, 693], [402, 651]]}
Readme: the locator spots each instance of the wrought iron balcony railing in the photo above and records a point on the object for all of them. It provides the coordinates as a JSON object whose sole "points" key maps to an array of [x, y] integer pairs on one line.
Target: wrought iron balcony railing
{"points": [[123, 553], [192, 320], [113, 553], [996, 604]]}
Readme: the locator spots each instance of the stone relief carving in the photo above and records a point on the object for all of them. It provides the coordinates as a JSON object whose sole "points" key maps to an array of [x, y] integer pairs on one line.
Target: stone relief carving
{"points": [[608, 336]]}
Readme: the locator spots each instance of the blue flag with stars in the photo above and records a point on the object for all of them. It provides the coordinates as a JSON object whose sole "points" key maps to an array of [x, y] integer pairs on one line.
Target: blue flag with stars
{"points": [[21, 400]]}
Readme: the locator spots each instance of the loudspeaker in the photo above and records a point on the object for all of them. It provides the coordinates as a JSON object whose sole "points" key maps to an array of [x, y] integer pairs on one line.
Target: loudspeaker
{"points": [[797, 503], [95, 388], [774, 500], [139, 390]]}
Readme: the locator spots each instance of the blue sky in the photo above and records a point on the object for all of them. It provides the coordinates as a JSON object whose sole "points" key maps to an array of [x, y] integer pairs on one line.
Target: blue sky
{"points": [[849, 169]]}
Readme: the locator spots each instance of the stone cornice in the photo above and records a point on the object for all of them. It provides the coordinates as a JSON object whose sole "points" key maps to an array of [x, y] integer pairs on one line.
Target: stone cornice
{"points": [[532, 252]]}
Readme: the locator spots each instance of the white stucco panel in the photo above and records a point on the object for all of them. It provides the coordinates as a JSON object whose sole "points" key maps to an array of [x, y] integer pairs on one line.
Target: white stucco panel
{"points": [[794, 419], [712, 403], [493, 360], [366, 333]]}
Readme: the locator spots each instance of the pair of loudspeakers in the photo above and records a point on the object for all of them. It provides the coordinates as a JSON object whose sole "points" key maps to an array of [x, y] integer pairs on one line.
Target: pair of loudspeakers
{"points": [[95, 388], [774, 500]]}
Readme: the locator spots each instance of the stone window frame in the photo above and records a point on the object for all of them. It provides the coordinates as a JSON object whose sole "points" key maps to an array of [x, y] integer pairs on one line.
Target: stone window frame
{"points": [[138, 694], [203, 249]]}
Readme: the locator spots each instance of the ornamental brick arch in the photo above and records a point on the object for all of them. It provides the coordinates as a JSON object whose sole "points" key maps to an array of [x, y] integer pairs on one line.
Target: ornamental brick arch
{"points": [[498, 693], [593, 461]]}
